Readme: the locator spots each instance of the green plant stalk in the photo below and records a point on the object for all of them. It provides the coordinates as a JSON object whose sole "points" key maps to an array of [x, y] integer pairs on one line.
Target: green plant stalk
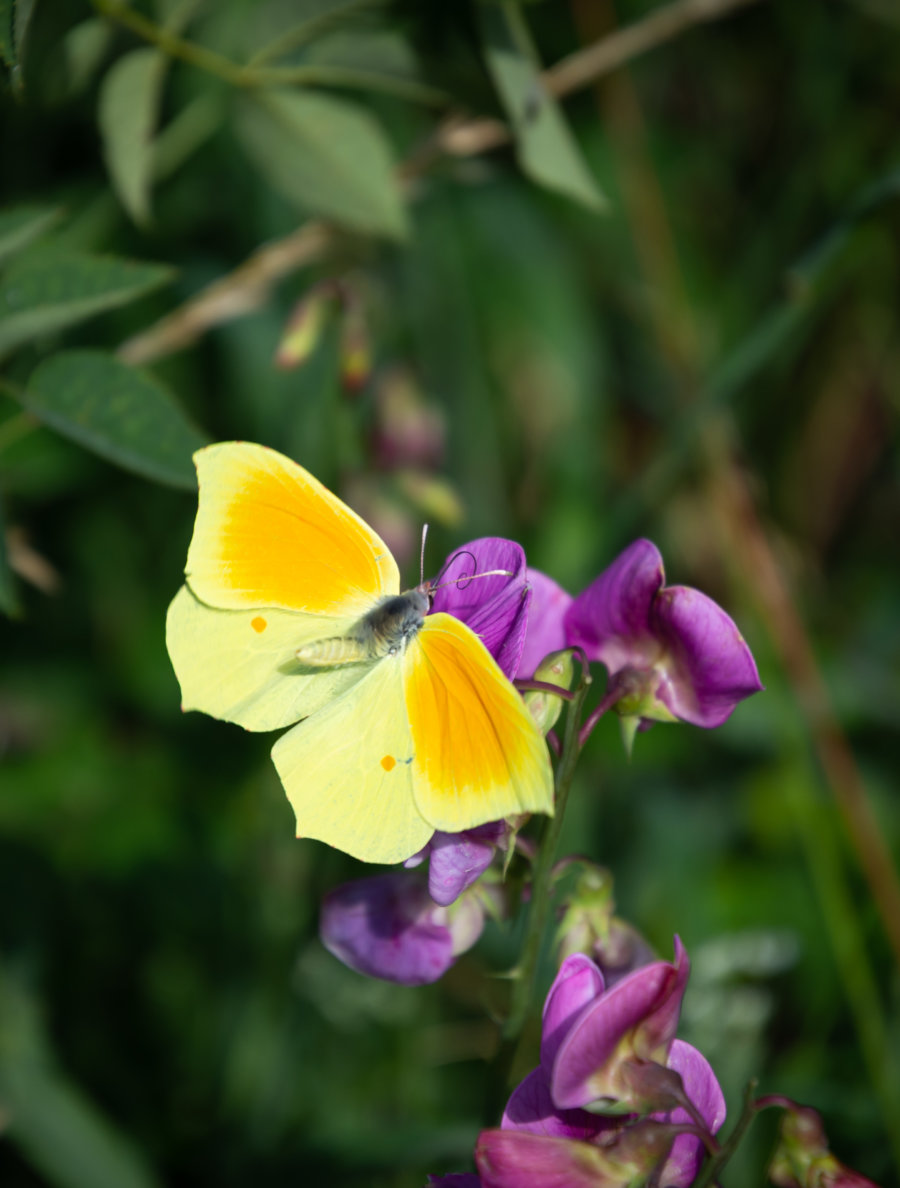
{"points": [[174, 46], [238, 75], [308, 30], [817, 837], [711, 1169], [540, 885]]}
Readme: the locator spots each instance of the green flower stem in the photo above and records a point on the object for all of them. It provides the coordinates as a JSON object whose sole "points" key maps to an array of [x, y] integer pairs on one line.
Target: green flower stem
{"points": [[711, 1170], [174, 46], [237, 75], [541, 882]]}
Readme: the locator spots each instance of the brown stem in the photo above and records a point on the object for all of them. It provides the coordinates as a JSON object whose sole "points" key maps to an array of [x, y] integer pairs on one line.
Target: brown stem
{"points": [[247, 287]]}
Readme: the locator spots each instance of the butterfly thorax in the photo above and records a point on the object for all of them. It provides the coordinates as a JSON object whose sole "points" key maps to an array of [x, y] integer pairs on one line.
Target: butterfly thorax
{"points": [[383, 631]]}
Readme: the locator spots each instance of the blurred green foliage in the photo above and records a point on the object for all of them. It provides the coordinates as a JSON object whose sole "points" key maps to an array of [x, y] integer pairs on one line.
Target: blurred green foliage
{"points": [[167, 1015]]}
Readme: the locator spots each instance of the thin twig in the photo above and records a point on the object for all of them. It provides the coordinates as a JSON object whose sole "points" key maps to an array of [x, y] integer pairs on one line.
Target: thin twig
{"points": [[247, 287]]}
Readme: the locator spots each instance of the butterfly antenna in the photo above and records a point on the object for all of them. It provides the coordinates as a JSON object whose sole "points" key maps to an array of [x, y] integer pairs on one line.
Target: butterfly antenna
{"points": [[467, 577], [422, 556]]}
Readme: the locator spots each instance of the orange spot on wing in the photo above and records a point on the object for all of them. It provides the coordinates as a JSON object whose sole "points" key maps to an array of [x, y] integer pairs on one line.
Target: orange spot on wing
{"points": [[388, 762], [258, 624]]}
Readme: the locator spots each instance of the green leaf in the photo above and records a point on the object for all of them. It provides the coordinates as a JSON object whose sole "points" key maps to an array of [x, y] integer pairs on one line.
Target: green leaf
{"points": [[326, 155], [58, 1128], [128, 110], [81, 52], [545, 147], [45, 292], [122, 414], [9, 601], [19, 225]]}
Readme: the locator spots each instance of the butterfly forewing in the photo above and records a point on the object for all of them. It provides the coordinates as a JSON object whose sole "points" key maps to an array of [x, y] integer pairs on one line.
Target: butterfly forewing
{"points": [[479, 754], [242, 666], [268, 534]]}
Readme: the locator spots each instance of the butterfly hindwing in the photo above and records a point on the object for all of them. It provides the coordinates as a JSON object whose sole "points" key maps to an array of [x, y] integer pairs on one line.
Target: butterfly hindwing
{"points": [[479, 755], [348, 770]]}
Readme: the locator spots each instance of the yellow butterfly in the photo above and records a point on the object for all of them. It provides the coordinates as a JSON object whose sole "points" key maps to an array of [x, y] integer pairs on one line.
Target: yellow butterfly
{"points": [[292, 610]]}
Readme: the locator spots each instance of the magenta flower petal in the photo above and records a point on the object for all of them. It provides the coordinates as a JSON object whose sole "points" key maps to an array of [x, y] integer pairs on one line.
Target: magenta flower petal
{"points": [[458, 859], [578, 983], [531, 1108], [546, 631], [611, 618], [680, 654], [496, 608], [455, 1180], [643, 1009], [518, 1159], [387, 927], [701, 1086], [712, 667]]}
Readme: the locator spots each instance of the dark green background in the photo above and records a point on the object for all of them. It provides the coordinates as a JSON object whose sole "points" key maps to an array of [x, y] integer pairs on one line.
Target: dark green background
{"points": [[164, 1000]]}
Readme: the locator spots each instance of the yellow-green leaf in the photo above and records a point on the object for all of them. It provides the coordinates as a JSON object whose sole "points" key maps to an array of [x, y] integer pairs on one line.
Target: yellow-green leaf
{"points": [[127, 115], [546, 149], [19, 225], [122, 414], [46, 292], [326, 155]]}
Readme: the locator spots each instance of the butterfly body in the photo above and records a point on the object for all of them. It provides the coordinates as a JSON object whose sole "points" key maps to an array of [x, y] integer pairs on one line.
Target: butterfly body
{"points": [[402, 722], [383, 631]]}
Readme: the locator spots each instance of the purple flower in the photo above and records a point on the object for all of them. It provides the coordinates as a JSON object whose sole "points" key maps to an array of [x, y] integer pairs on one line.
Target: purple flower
{"points": [[389, 927], [632, 1024], [672, 651], [494, 607], [546, 621], [456, 860], [597, 1043], [625, 1156]]}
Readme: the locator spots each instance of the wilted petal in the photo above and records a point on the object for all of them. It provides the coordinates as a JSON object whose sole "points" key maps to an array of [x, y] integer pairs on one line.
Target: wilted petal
{"points": [[531, 1108], [546, 631], [496, 607], [457, 859], [703, 1089], [388, 927], [611, 618], [708, 667], [578, 983], [643, 1007]]}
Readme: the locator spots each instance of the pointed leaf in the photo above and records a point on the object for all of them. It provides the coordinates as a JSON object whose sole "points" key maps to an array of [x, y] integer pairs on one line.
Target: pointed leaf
{"points": [[546, 149], [47, 292], [128, 110], [122, 414], [19, 225], [326, 155]]}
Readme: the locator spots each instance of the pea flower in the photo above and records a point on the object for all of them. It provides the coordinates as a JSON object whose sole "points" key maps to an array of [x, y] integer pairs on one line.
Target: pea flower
{"points": [[389, 927], [670, 651], [546, 630], [803, 1159], [597, 1043], [457, 860], [496, 605]]}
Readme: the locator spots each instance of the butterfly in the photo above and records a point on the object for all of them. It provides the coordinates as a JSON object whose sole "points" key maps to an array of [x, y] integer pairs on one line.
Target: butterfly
{"points": [[292, 612]]}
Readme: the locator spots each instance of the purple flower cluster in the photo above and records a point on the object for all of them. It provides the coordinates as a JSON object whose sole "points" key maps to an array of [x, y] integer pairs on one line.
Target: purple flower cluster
{"points": [[615, 1097], [670, 653]]}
